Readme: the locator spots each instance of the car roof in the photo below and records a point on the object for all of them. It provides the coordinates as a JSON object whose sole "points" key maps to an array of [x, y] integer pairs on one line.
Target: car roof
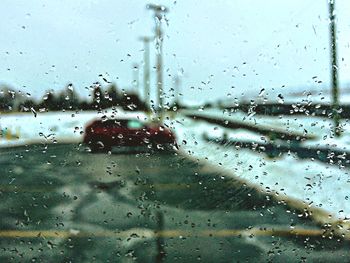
{"points": [[118, 121]]}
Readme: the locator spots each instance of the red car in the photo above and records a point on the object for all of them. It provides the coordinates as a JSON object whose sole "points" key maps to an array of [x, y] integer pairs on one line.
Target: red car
{"points": [[104, 134]]}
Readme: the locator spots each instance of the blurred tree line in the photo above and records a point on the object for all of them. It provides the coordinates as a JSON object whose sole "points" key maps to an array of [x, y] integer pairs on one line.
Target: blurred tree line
{"points": [[68, 99]]}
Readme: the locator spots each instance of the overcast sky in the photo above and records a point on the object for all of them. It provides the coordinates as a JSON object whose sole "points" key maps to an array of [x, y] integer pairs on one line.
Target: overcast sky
{"points": [[219, 47]]}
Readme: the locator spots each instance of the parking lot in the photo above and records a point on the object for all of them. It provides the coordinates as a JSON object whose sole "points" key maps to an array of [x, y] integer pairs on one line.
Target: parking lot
{"points": [[61, 203]]}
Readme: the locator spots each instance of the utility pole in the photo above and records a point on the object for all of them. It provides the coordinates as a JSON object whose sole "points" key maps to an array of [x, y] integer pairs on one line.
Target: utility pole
{"points": [[146, 71], [159, 11], [334, 67]]}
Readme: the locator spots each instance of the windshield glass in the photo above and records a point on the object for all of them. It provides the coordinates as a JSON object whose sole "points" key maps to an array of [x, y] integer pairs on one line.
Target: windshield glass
{"points": [[174, 131]]}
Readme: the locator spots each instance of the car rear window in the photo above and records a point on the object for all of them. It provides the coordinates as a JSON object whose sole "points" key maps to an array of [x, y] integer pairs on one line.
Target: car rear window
{"points": [[134, 124]]}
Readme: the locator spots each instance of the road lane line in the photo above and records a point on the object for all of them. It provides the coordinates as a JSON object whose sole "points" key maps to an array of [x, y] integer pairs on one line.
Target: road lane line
{"points": [[142, 233]]}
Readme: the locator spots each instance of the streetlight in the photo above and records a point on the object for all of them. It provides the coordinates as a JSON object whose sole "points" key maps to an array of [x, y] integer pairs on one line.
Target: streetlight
{"points": [[159, 11], [334, 68], [146, 71]]}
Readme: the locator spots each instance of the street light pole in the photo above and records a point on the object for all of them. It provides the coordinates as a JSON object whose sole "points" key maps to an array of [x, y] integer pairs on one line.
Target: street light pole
{"points": [[158, 15], [146, 72], [334, 68]]}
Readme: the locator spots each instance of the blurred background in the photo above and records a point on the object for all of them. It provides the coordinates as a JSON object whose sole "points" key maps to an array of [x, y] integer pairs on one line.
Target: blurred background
{"points": [[167, 131]]}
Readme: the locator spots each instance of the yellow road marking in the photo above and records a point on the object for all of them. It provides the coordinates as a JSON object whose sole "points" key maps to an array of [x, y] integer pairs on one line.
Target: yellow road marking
{"points": [[265, 232], [146, 233]]}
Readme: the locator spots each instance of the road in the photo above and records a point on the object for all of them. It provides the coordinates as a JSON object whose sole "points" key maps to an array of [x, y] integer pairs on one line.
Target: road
{"points": [[60, 203]]}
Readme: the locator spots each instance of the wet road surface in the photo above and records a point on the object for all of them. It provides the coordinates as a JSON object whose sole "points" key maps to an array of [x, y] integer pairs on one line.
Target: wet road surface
{"points": [[60, 203]]}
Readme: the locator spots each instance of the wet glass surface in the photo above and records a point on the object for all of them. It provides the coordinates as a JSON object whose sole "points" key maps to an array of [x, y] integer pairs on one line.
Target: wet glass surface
{"points": [[174, 131]]}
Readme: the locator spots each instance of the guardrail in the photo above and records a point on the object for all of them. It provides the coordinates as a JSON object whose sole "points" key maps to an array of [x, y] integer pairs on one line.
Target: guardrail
{"points": [[272, 133]]}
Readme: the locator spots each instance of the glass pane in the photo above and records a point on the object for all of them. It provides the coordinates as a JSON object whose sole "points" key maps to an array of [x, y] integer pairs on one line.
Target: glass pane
{"points": [[174, 131]]}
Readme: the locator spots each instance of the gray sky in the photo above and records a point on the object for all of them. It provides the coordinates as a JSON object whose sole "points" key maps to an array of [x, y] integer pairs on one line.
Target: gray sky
{"points": [[246, 44]]}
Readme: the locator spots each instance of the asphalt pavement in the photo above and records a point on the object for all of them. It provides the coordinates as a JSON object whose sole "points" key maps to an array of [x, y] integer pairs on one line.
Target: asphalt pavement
{"points": [[61, 203]]}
